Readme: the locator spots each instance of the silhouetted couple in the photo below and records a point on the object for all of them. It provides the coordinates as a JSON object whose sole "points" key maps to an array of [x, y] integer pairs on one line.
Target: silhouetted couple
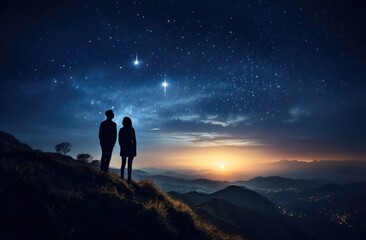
{"points": [[126, 139]]}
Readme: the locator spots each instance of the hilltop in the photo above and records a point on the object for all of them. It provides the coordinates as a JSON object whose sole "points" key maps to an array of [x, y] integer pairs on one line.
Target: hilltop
{"points": [[51, 196]]}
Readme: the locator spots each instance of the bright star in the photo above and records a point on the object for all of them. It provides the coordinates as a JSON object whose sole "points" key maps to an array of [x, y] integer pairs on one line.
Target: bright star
{"points": [[136, 62], [165, 85]]}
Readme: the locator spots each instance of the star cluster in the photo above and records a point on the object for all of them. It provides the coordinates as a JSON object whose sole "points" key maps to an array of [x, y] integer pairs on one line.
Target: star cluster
{"points": [[286, 75]]}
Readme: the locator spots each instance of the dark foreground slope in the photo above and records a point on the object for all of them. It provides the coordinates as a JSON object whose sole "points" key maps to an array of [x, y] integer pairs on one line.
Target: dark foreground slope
{"points": [[50, 196]]}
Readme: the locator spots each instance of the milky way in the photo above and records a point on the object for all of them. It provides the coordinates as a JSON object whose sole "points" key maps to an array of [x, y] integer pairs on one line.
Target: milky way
{"points": [[238, 73]]}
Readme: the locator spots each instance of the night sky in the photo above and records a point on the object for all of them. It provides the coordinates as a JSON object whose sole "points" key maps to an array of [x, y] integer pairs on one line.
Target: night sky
{"points": [[273, 79]]}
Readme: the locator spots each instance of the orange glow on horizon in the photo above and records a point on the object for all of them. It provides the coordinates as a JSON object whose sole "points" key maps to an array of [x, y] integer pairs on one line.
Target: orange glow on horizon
{"points": [[224, 163]]}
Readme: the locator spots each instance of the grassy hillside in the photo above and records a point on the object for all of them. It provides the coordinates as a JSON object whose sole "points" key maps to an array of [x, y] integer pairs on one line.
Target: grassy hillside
{"points": [[50, 196]]}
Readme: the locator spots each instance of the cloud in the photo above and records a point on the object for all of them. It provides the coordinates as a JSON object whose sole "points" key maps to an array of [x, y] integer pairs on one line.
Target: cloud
{"points": [[297, 113], [189, 117], [231, 120], [209, 140], [205, 139], [206, 130]]}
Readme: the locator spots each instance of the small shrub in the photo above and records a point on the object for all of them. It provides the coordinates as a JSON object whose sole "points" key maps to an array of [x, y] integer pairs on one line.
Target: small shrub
{"points": [[84, 157]]}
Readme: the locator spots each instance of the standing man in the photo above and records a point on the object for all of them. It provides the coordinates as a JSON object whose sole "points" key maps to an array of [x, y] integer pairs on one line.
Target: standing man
{"points": [[107, 139]]}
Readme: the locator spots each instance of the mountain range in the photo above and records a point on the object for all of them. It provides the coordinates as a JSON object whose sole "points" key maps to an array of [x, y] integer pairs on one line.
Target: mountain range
{"points": [[186, 183], [345, 171]]}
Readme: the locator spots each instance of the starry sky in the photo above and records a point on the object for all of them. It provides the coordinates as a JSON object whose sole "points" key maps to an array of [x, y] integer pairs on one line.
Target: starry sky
{"points": [[246, 81]]}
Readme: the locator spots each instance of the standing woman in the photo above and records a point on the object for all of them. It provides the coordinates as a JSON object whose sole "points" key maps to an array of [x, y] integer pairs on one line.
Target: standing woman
{"points": [[127, 142]]}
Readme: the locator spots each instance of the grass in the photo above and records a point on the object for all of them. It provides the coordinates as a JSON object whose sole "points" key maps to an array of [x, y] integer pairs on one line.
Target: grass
{"points": [[50, 196]]}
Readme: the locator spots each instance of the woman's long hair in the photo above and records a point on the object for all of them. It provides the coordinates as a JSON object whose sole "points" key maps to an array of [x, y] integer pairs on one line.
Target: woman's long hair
{"points": [[127, 122]]}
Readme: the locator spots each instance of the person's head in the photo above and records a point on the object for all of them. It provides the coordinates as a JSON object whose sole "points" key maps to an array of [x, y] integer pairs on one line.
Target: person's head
{"points": [[109, 114], [127, 122]]}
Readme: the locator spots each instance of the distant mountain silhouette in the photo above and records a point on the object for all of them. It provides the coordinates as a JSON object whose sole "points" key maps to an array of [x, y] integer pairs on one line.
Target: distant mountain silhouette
{"points": [[240, 211], [239, 196], [346, 171], [182, 183], [338, 191], [246, 199], [140, 172], [182, 174], [193, 198], [51, 196], [214, 183], [330, 187], [255, 225], [276, 182], [339, 208]]}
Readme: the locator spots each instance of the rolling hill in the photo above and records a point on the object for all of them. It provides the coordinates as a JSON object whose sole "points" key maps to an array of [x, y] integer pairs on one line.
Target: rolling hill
{"points": [[246, 199], [243, 221], [239, 210], [239, 196], [51, 196]]}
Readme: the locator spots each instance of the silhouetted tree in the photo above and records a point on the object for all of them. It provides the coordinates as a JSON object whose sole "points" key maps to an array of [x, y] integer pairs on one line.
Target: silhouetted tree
{"points": [[63, 147], [84, 157]]}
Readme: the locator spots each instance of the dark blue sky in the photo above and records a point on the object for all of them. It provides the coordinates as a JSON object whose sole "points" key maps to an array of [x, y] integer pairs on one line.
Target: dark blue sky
{"points": [[289, 76]]}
